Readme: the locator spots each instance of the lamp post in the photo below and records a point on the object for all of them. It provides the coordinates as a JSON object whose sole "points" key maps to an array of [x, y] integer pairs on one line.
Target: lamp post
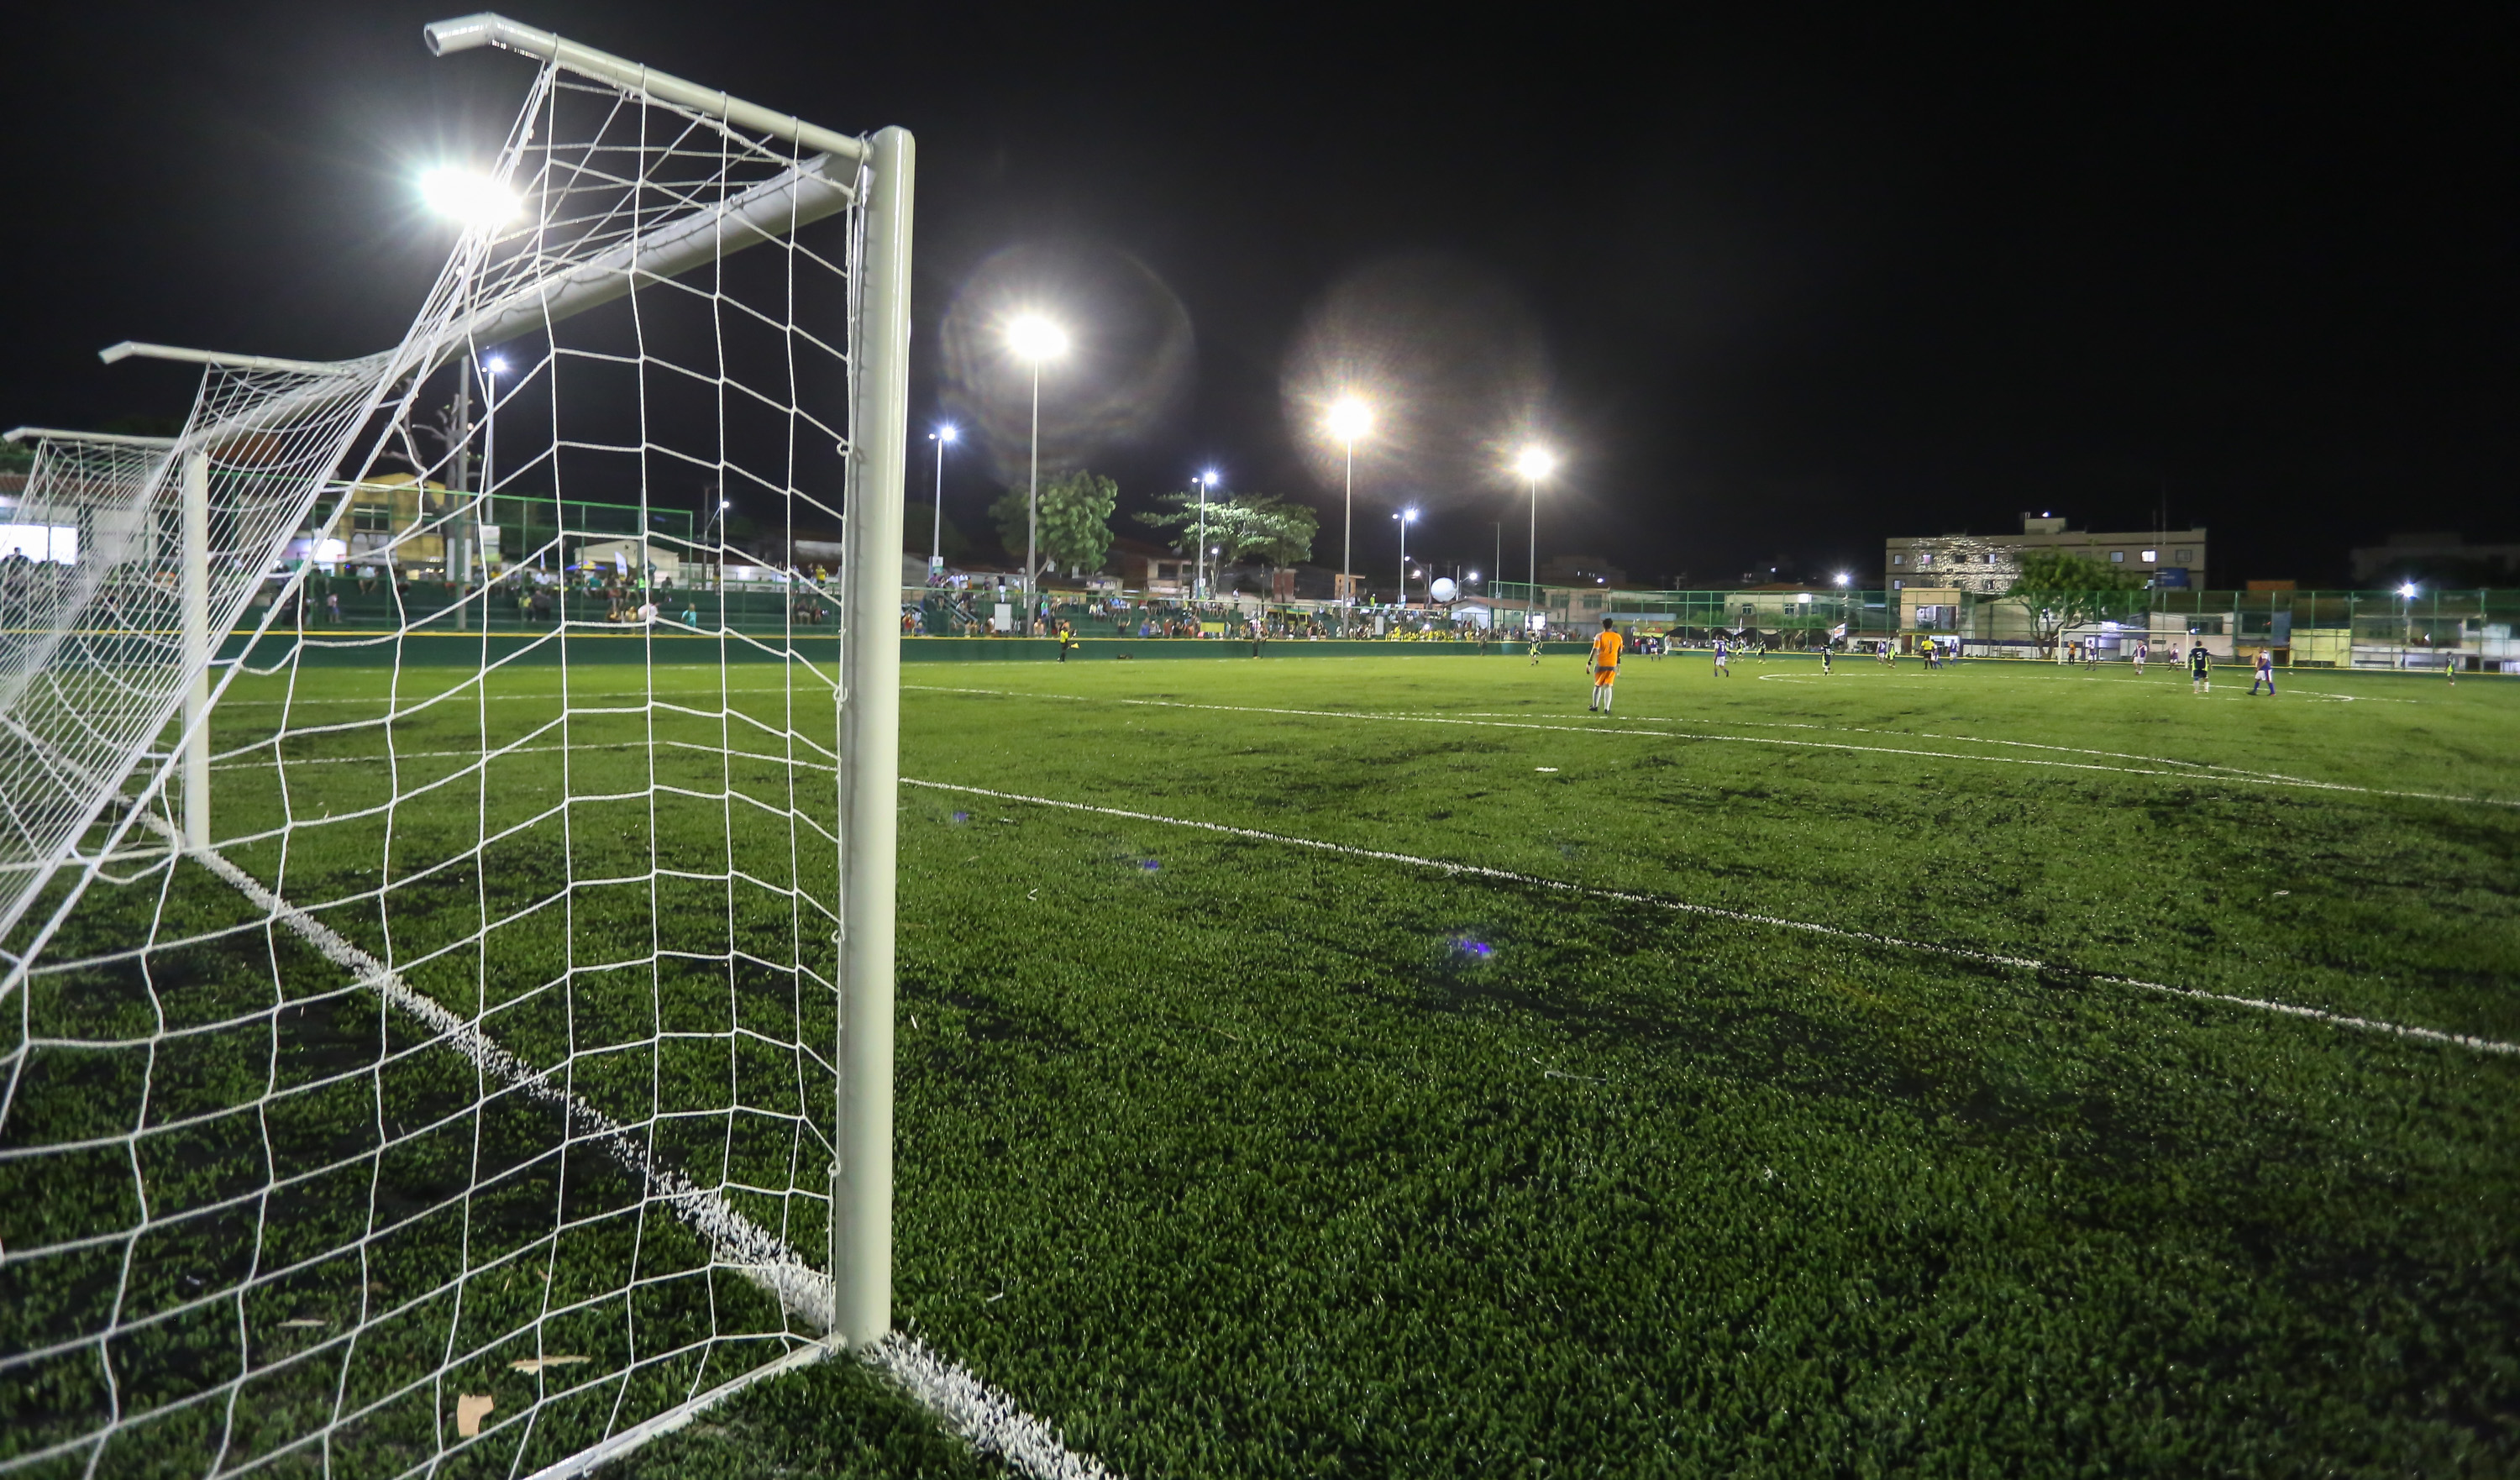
{"points": [[1349, 420], [943, 436], [477, 203], [1406, 517], [1198, 583], [1036, 340], [1535, 464], [717, 549]]}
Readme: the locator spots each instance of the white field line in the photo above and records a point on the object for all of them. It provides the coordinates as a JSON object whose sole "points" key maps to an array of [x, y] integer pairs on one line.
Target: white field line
{"points": [[1962, 740], [988, 1420], [2236, 779], [1771, 921]]}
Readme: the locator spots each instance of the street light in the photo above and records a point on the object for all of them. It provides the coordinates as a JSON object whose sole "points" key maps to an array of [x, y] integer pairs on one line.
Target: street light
{"points": [[943, 436], [717, 547], [1034, 338], [469, 198], [1350, 419], [1198, 583], [1406, 517], [1535, 464], [491, 369]]}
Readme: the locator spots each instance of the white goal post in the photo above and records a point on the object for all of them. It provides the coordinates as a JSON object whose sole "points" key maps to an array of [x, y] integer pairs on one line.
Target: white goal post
{"points": [[446, 944]]}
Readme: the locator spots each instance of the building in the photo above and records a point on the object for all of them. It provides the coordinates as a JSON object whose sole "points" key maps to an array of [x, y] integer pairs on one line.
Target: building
{"points": [[1580, 570], [2435, 559], [1144, 565], [1986, 563]]}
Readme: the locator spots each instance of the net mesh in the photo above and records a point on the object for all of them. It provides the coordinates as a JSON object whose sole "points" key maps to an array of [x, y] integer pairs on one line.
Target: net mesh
{"points": [[464, 1103]]}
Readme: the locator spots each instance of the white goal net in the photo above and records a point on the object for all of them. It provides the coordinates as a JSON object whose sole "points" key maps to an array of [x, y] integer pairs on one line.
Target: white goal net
{"points": [[431, 791]]}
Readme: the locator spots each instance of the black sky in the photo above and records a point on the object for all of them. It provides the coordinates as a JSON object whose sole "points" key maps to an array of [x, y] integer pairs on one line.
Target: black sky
{"points": [[1804, 278]]}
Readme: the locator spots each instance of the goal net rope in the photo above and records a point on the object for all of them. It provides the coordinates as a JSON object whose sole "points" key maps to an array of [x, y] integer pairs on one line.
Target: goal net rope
{"points": [[461, 1101]]}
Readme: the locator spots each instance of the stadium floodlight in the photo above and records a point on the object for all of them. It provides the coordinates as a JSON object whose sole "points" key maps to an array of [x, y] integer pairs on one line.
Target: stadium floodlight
{"points": [[1842, 578], [750, 1213], [469, 198], [1349, 420], [2408, 591], [943, 436], [1035, 339]]}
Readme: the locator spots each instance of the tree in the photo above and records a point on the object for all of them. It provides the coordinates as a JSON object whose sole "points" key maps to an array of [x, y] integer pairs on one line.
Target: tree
{"points": [[1253, 524], [2060, 591], [1075, 514]]}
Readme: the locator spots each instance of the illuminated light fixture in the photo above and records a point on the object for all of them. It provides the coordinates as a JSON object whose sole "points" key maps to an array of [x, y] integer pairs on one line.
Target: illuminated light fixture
{"points": [[1036, 338], [1350, 419], [496, 365], [468, 198], [1841, 577], [948, 433], [1535, 464], [2408, 591]]}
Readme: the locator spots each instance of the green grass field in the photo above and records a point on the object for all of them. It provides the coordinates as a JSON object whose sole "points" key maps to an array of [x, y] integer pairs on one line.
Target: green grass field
{"points": [[1795, 1093]]}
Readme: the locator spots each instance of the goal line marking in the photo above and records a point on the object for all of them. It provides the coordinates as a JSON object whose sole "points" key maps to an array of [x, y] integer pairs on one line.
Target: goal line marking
{"points": [[990, 1420], [2217, 773], [1773, 922]]}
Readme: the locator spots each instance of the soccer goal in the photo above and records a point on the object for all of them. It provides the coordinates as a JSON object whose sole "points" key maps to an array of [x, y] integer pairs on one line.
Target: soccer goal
{"points": [[446, 831]]}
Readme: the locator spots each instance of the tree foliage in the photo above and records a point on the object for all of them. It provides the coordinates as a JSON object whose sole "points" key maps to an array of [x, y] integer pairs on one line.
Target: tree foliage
{"points": [[1252, 525], [2059, 591], [1076, 528]]}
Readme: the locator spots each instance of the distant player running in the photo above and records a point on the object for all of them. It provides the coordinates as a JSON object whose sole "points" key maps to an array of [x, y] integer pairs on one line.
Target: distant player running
{"points": [[2142, 651], [1723, 659], [2266, 674], [1823, 658], [1535, 646], [2201, 670], [1604, 665]]}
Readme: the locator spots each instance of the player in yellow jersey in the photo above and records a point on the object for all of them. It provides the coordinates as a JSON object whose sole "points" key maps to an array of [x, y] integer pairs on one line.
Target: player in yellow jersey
{"points": [[1606, 665]]}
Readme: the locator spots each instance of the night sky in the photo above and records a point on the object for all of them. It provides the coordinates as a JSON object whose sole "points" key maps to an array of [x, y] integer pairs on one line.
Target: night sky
{"points": [[1776, 282]]}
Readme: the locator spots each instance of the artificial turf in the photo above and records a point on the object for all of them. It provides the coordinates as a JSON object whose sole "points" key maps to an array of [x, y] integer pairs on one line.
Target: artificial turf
{"points": [[1230, 1155]]}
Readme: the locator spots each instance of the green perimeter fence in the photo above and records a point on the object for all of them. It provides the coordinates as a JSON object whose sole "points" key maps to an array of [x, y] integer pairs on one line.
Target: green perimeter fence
{"points": [[2469, 631]]}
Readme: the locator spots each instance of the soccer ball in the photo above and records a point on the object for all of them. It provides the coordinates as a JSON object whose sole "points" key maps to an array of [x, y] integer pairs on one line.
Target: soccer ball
{"points": [[1443, 590]]}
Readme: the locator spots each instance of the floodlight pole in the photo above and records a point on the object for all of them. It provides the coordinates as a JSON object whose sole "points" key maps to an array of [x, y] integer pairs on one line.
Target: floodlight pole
{"points": [[871, 759], [1404, 563], [195, 597], [936, 532], [1032, 505], [1532, 604], [459, 550], [1198, 582], [1347, 542]]}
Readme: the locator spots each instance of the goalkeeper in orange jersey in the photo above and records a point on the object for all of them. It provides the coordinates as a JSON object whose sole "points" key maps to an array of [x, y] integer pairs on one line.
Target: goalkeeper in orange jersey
{"points": [[1604, 665]]}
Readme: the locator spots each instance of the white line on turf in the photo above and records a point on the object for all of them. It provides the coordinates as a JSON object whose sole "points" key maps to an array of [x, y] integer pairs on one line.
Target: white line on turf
{"points": [[2235, 778], [989, 1419], [1773, 922]]}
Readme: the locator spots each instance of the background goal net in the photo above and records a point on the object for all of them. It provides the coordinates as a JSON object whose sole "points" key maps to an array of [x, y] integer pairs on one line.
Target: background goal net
{"points": [[445, 886]]}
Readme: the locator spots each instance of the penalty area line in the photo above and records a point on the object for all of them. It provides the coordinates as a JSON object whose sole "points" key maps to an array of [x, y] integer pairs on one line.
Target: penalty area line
{"points": [[1771, 921], [989, 1419]]}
